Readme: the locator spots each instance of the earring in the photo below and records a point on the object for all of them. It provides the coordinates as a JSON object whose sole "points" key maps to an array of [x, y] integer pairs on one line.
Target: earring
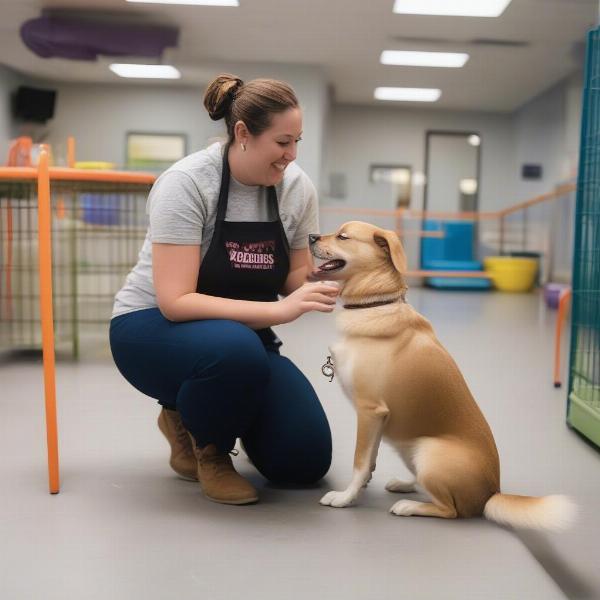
{"points": [[243, 147]]}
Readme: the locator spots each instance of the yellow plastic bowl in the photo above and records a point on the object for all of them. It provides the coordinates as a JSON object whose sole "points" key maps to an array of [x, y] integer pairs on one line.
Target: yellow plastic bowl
{"points": [[511, 274]]}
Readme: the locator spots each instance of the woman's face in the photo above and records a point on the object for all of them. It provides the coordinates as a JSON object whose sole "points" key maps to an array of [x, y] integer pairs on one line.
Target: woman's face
{"points": [[269, 153]]}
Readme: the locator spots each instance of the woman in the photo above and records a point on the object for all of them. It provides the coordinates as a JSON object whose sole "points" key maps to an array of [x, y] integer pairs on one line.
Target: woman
{"points": [[228, 234]]}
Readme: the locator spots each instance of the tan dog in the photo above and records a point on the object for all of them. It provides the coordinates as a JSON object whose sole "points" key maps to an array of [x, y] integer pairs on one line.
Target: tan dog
{"points": [[407, 388]]}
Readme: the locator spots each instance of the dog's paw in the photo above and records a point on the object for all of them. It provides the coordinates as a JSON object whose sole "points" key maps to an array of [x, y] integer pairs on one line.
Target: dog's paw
{"points": [[404, 508], [397, 486], [338, 499]]}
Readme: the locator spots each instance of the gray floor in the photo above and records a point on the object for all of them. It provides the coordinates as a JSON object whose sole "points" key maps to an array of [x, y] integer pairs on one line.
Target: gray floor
{"points": [[123, 527]]}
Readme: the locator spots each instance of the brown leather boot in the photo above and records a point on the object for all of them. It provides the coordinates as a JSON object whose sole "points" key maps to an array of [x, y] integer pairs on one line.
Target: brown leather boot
{"points": [[183, 460], [219, 480]]}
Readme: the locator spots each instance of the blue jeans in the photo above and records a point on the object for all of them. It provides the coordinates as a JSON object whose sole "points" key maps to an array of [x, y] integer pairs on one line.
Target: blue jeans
{"points": [[226, 384]]}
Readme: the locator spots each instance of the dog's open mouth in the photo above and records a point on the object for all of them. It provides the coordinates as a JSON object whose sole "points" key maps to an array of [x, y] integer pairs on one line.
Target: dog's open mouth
{"points": [[331, 265]]}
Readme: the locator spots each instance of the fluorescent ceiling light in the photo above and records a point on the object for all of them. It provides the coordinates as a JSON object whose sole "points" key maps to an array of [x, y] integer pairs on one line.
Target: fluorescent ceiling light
{"points": [[145, 71], [423, 59], [407, 94], [195, 2], [454, 8]]}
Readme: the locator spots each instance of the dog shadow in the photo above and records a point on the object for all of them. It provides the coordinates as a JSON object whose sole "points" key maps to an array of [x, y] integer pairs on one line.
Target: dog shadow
{"points": [[571, 582]]}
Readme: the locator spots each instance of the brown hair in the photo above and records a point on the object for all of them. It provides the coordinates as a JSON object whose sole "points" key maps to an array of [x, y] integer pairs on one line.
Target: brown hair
{"points": [[254, 102]]}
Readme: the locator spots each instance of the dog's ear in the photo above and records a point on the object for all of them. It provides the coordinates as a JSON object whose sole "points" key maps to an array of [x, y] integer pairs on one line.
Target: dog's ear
{"points": [[390, 242]]}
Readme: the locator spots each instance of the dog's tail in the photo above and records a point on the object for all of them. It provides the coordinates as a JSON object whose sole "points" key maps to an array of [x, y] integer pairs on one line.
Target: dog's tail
{"points": [[553, 513]]}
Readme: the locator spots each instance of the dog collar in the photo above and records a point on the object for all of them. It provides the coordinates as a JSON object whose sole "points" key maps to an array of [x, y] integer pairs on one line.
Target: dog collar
{"points": [[372, 304]]}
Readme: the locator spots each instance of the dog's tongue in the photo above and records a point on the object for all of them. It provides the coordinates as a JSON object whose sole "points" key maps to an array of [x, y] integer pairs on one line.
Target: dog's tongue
{"points": [[330, 265]]}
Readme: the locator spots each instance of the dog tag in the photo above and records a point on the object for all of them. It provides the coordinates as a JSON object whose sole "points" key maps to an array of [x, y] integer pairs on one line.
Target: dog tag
{"points": [[327, 369]]}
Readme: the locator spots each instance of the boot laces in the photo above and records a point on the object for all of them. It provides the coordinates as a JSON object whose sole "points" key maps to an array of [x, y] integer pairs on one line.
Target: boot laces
{"points": [[182, 435], [220, 459], [224, 457]]}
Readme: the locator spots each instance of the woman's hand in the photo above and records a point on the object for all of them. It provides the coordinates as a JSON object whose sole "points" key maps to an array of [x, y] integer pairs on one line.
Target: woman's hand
{"points": [[318, 296]]}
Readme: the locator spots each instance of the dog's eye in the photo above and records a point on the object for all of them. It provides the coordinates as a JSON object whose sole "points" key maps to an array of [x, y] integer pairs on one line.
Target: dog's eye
{"points": [[342, 236]]}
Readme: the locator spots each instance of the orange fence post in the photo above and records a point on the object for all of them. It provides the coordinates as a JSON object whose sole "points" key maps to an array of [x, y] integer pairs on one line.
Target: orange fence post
{"points": [[400, 222], [565, 296], [71, 152], [45, 273]]}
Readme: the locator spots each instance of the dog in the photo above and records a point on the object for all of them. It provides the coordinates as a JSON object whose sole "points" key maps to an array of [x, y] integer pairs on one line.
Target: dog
{"points": [[407, 389]]}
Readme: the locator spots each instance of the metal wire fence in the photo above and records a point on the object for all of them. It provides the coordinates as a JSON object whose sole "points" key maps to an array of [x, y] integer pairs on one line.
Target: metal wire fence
{"points": [[584, 382], [97, 231]]}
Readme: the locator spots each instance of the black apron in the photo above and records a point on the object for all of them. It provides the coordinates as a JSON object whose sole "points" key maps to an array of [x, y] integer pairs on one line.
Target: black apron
{"points": [[246, 260]]}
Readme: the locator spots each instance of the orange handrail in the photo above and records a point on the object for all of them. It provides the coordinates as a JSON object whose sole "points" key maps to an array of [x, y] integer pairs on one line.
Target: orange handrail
{"points": [[358, 210], [411, 213], [66, 174], [469, 274], [557, 193], [425, 234], [475, 216], [46, 312]]}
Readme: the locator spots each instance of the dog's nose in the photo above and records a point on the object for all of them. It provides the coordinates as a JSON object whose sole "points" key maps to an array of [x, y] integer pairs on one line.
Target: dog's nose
{"points": [[313, 237]]}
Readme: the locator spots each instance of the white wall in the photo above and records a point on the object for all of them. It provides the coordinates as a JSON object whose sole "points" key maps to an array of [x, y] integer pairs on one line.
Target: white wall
{"points": [[100, 115], [540, 138], [545, 131], [361, 136], [573, 105]]}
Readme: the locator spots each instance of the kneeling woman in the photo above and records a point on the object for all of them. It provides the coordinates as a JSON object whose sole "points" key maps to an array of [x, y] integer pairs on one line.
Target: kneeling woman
{"points": [[228, 234]]}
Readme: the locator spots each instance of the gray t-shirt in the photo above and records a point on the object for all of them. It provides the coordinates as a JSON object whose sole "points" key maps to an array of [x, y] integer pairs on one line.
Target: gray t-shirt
{"points": [[182, 208]]}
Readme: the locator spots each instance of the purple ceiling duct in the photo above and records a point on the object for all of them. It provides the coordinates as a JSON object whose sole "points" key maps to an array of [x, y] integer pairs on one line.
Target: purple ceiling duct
{"points": [[63, 37]]}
